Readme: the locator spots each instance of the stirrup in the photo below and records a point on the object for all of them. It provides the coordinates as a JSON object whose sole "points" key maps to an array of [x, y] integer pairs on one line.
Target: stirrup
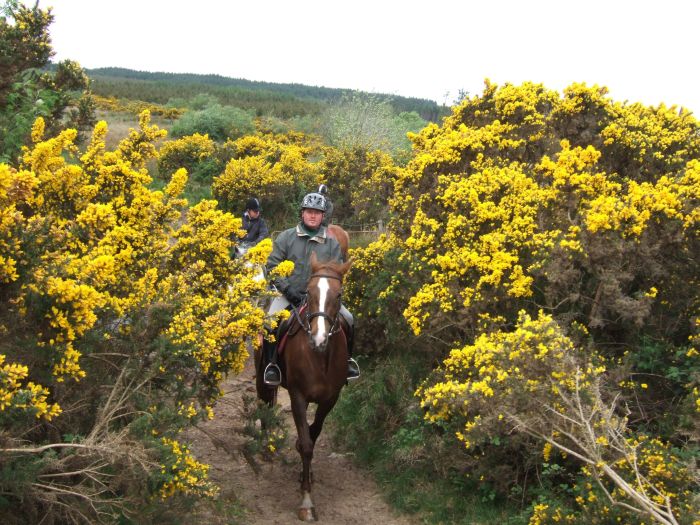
{"points": [[272, 376], [353, 369]]}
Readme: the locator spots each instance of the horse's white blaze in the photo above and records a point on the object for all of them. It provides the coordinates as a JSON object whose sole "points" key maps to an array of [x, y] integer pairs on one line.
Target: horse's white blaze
{"points": [[320, 334]]}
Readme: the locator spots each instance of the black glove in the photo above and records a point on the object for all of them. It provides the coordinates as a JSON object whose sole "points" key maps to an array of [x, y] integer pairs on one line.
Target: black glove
{"points": [[293, 296]]}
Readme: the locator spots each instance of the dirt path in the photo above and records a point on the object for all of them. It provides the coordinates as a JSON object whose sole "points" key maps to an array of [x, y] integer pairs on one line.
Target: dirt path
{"points": [[343, 494]]}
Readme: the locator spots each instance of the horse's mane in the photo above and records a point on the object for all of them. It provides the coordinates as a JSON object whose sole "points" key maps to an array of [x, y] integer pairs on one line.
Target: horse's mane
{"points": [[333, 266]]}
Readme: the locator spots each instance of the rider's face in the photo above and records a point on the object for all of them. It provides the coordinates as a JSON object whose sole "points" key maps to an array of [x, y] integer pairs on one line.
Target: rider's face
{"points": [[311, 218], [254, 213]]}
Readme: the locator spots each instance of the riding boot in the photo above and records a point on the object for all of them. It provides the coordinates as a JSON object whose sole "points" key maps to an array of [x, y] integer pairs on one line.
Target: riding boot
{"points": [[353, 367], [272, 376]]}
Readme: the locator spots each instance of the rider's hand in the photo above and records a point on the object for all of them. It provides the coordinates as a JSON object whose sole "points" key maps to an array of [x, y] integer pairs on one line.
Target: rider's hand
{"points": [[293, 296]]}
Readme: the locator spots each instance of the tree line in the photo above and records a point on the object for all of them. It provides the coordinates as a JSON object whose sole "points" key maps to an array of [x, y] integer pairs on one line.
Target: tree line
{"points": [[280, 99]]}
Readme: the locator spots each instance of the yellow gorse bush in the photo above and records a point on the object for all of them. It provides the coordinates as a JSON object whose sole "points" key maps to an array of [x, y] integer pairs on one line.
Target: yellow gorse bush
{"points": [[524, 201], [184, 474], [534, 380], [136, 107], [185, 152], [508, 372], [125, 289], [30, 397], [274, 168], [506, 206], [496, 230]]}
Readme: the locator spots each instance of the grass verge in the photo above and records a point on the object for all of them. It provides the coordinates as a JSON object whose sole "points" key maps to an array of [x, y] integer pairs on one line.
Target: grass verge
{"points": [[416, 465]]}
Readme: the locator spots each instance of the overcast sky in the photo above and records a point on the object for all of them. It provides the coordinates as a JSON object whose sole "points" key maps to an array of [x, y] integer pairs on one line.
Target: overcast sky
{"points": [[643, 51]]}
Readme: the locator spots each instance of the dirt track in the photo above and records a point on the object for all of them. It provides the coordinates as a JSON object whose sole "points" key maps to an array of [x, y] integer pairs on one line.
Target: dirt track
{"points": [[343, 494]]}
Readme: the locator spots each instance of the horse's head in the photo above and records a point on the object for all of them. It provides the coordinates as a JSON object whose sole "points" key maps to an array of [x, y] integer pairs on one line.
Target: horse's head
{"points": [[324, 291]]}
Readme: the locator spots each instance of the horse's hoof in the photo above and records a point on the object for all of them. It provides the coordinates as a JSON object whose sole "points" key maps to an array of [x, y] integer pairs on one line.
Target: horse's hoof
{"points": [[307, 514], [307, 510]]}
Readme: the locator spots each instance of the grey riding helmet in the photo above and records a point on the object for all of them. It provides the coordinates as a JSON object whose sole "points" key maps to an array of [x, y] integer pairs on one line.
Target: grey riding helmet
{"points": [[314, 201]]}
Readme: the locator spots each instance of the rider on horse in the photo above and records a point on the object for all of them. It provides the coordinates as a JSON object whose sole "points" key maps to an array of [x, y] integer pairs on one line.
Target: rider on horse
{"points": [[253, 224], [296, 245]]}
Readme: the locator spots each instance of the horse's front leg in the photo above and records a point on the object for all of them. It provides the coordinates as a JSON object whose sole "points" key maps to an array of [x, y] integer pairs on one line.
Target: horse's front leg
{"points": [[305, 446], [322, 411]]}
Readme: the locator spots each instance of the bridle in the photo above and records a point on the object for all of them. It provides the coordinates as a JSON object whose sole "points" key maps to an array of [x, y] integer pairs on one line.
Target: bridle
{"points": [[306, 324]]}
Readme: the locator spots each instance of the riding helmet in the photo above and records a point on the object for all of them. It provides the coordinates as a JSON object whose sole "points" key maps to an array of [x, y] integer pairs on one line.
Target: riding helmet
{"points": [[252, 204], [315, 201]]}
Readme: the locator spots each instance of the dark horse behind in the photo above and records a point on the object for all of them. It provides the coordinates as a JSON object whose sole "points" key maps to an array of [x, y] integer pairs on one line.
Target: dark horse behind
{"points": [[314, 359]]}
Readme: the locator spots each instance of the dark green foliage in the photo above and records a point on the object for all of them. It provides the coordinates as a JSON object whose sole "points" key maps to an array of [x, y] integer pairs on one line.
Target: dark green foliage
{"points": [[24, 44], [219, 122], [666, 372], [28, 92], [24, 103]]}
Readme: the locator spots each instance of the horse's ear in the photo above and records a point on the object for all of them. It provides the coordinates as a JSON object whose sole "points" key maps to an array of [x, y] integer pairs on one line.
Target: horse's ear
{"points": [[346, 265], [314, 261]]}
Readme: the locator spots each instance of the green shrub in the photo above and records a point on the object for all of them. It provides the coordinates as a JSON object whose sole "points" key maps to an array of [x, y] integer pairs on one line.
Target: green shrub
{"points": [[219, 122]]}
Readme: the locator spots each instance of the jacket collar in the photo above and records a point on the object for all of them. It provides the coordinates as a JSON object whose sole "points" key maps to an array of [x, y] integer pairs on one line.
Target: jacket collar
{"points": [[319, 237]]}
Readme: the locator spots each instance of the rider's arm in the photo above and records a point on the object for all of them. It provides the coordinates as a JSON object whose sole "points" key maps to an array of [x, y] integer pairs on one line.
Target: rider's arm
{"points": [[280, 247], [263, 232]]}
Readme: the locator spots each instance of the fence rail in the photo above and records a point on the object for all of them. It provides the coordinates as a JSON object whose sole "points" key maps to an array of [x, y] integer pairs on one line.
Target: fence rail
{"points": [[365, 229]]}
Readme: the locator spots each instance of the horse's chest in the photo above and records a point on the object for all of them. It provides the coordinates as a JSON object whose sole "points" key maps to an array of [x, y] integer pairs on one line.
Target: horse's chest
{"points": [[318, 392]]}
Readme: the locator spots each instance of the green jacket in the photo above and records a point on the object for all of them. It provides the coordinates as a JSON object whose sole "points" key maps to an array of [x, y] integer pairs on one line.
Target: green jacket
{"points": [[296, 245]]}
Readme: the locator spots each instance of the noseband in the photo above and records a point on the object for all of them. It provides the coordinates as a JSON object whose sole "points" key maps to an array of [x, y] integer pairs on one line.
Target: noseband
{"points": [[335, 325]]}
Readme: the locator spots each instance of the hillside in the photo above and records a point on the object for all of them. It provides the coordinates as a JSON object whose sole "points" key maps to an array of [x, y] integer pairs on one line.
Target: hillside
{"points": [[283, 100]]}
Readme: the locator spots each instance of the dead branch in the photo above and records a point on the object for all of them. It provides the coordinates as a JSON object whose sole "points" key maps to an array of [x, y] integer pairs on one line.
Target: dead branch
{"points": [[583, 427]]}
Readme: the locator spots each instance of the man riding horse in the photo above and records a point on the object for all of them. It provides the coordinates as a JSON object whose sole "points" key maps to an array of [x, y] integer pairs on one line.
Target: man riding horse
{"points": [[296, 245]]}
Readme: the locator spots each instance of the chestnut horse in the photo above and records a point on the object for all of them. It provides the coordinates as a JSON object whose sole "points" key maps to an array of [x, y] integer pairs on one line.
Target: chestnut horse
{"points": [[314, 360]]}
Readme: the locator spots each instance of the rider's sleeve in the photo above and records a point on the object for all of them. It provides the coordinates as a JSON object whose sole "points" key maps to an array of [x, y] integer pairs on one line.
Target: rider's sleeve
{"points": [[263, 232], [279, 254]]}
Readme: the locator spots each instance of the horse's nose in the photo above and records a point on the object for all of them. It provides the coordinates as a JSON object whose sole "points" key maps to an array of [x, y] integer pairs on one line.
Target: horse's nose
{"points": [[319, 335], [318, 343]]}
